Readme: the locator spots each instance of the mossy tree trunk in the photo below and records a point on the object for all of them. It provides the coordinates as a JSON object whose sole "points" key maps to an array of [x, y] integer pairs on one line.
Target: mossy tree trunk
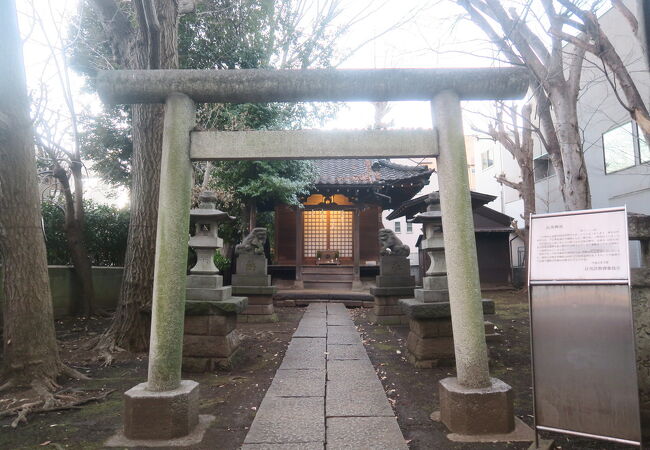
{"points": [[152, 44], [31, 356]]}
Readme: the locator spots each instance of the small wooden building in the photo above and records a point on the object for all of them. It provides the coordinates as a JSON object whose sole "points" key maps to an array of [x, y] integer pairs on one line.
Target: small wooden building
{"points": [[493, 233], [329, 240]]}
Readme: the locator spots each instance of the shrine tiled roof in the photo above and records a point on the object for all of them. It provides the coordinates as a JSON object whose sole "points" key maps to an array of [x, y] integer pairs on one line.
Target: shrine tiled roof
{"points": [[418, 204], [365, 172]]}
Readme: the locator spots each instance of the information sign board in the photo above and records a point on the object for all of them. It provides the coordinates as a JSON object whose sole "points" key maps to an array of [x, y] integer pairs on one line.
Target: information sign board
{"points": [[587, 246], [582, 333]]}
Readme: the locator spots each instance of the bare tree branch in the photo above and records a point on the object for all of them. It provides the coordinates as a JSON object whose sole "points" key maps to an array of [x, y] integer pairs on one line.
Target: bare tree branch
{"points": [[629, 15]]}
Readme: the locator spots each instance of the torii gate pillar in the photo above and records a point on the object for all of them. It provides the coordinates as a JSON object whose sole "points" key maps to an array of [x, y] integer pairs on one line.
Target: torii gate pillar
{"points": [[472, 402]]}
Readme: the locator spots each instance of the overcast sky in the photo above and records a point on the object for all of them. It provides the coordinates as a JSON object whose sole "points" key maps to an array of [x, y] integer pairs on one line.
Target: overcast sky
{"points": [[432, 39]]}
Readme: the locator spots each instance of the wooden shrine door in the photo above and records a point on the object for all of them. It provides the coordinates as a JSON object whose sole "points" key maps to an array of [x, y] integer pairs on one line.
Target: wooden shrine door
{"points": [[328, 230]]}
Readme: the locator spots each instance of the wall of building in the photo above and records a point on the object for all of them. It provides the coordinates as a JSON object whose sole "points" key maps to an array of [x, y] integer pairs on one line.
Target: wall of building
{"points": [[493, 160], [65, 295], [285, 235]]}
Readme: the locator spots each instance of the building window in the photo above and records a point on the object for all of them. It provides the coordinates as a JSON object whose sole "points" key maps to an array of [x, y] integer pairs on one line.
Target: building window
{"points": [[542, 167], [521, 256], [624, 147], [398, 227], [644, 149], [409, 227], [618, 146], [487, 158]]}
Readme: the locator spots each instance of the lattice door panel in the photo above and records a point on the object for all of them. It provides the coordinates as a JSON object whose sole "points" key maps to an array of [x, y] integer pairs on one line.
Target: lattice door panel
{"points": [[315, 232], [328, 230], [340, 232]]}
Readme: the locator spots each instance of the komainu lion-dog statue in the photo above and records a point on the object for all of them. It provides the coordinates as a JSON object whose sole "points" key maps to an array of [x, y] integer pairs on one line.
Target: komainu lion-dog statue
{"points": [[253, 243], [391, 244]]}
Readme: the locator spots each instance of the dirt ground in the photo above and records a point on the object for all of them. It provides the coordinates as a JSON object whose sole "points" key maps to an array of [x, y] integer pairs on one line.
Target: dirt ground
{"points": [[234, 396]]}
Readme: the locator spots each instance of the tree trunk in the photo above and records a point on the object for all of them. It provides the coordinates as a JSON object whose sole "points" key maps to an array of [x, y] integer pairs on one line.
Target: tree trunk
{"points": [[29, 342], [252, 214], [80, 257], [527, 193], [207, 176], [74, 226], [576, 183], [130, 326]]}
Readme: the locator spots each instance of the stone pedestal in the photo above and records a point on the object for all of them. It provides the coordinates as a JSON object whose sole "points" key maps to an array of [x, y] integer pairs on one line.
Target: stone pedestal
{"points": [[161, 415], [430, 341], [476, 411], [393, 283], [207, 287], [386, 309], [260, 303], [252, 281], [434, 289], [210, 340], [394, 271]]}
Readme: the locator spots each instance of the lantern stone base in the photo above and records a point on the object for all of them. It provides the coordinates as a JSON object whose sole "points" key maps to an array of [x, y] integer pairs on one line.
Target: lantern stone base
{"points": [[440, 310], [207, 287], [161, 415], [430, 342], [476, 411], [431, 296], [260, 303], [210, 339]]}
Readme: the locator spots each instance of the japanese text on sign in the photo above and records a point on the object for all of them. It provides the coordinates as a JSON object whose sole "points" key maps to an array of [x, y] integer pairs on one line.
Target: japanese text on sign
{"points": [[579, 247]]}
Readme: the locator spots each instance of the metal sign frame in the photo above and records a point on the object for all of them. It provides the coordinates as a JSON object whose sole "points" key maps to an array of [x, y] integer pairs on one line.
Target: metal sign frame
{"points": [[581, 284]]}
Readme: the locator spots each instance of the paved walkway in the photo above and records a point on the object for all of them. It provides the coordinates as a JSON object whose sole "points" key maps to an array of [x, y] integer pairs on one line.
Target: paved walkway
{"points": [[326, 393]]}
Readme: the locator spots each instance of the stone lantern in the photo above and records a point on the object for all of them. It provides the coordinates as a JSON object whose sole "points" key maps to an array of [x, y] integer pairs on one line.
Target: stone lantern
{"points": [[430, 341], [210, 338], [435, 279], [206, 240]]}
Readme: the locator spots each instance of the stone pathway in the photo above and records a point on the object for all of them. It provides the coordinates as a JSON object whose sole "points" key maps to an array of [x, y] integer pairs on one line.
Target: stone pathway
{"points": [[326, 393]]}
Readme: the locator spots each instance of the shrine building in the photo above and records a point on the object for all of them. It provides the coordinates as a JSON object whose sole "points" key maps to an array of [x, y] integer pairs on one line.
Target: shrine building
{"points": [[330, 240]]}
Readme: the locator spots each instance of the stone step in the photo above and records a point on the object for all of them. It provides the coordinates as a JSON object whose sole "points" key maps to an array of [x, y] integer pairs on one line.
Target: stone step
{"points": [[322, 295], [328, 269], [328, 285], [327, 277]]}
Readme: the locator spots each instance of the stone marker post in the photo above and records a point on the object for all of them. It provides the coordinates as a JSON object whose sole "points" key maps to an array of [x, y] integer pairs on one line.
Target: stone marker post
{"points": [[471, 402], [166, 407]]}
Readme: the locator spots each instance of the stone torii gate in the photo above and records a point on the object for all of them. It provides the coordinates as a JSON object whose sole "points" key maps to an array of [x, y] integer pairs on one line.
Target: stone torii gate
{"points": [[472, 395]]}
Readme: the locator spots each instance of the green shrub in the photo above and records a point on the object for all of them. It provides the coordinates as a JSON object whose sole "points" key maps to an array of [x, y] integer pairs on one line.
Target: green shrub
{"points": [[105, 234], [222, 263]]}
